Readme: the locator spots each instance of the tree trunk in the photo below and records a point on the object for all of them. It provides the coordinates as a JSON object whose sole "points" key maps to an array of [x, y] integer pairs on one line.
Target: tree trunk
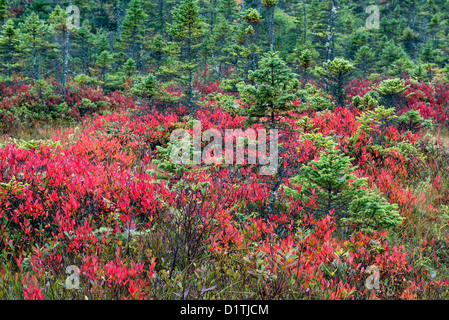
{"points": [[330, 36], [189, 58]]}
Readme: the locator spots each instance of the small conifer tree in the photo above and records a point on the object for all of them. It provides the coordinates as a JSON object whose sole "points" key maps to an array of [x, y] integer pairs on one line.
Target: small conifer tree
{"points": [[272, 92]]}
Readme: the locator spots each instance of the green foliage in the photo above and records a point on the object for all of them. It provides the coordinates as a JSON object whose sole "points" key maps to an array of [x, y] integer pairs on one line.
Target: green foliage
{"points": [[375, 123], [188, 28], [390, 91], [3, 10], [129, 68], [34, 144], [369, 101], [306, 58], [338, 190], [9, 47], [419, 73], [14, 187], [104, 62], [252, 15], [154, 49], [370, 211], [83, 79], [391, 87], [412, 121], [319, 140], [187, 22], [58, 19], [155, 35], [228, 8], [364, 59], [34, 42], [336, 74], [147, 88], [269, 3], [167, 167], [314, 99], [132, 37], [273, 91]]}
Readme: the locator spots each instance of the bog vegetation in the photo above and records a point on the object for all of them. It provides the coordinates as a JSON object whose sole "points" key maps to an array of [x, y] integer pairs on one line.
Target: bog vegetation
{"points": [[86, 178]]}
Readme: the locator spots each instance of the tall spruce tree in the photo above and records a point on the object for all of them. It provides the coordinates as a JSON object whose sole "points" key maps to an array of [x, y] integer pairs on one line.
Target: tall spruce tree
{"points": [[364, 58], [253, 17], [34, 36], [84, 40], [188, 28], [9, 45]]}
